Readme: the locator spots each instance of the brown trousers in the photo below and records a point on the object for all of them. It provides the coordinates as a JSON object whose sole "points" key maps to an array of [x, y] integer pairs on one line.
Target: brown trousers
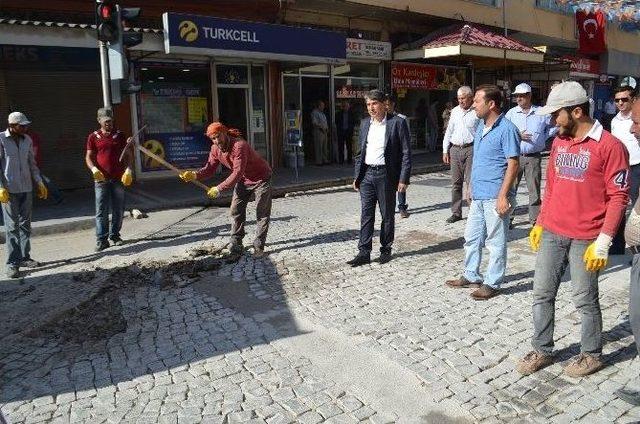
{"points": [[461, 160], [241, 196]]}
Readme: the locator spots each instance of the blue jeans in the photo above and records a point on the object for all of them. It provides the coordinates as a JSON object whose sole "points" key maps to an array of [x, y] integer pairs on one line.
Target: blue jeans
{"points": [[402, 201], [17, 224], [109, 195], [556, 252], [486, 228]]}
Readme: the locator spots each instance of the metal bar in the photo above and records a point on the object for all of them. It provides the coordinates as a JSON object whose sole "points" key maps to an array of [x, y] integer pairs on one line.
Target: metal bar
{"points": [[167, 164], [104, 67], [133, 137]]}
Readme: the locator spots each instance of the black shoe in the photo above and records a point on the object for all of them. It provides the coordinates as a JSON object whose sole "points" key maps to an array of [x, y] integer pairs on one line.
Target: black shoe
{"points": [[12, 272], [29, 263], [630, 396], [404, 214], [101, 245], [384, 257], [359, 260], [454, 218], [117, 241]]}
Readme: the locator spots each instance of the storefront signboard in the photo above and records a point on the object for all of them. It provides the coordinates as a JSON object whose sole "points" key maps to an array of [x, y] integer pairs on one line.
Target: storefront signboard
{"points": [[184, 150], [368, 49], [582, 66], [424, 77], [207, 35]]}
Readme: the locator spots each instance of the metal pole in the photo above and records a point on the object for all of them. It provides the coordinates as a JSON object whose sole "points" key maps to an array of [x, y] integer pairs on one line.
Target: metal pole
{"points": [[104, 67]]}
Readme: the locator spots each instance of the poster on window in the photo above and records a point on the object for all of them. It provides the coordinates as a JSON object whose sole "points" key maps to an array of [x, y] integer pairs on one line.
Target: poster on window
{"points": [[183, 150], [197, 111], [424, 77]]}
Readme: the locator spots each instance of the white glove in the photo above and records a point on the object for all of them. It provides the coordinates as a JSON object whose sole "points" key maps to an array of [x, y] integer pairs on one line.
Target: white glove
{"points": [[601, 245]]}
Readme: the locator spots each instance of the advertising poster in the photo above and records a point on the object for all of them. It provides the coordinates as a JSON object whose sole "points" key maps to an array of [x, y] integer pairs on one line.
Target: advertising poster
{"points": [[183, 150], [293, 127], [197, 111]]}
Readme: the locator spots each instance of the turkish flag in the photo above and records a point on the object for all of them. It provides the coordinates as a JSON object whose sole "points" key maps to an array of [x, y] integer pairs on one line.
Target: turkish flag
{"points": [[591, 32]]}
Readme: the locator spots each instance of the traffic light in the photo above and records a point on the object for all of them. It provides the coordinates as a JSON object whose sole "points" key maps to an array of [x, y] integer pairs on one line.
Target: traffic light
{"points": [[107, 22], [118, 62]]}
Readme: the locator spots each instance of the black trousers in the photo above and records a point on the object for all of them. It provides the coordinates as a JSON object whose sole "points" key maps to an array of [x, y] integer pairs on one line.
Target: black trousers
{"points": [[375, 188], [345, 137]]}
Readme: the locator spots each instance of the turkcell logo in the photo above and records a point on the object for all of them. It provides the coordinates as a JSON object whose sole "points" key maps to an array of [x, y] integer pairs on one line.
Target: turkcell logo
{"points": [[188, 31], [230, 35]]}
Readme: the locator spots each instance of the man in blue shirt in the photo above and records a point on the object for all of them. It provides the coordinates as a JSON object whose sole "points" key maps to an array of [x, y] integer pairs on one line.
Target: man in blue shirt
{"points": [[496, 149], [534, 131]]}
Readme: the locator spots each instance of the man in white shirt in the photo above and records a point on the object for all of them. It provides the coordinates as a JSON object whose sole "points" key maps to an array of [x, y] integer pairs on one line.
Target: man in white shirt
{"points": [[382, 169], [621, 129], [457, 148]]}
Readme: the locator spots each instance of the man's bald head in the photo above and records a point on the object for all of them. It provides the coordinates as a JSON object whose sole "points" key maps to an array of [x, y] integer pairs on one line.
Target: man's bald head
{"points": [[635, 117]]}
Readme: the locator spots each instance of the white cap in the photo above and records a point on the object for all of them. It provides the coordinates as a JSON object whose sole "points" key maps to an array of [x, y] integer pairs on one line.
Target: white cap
{"points": [[565, 94], [523, 88], [18, 118]]}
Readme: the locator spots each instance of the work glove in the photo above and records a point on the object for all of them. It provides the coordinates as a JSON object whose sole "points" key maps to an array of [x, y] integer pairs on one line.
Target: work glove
{"points": [[188, 176], [535, 235], [595, 257], [43, 193], [213, 192], [4, 195], [97, 174], [127, 177]]}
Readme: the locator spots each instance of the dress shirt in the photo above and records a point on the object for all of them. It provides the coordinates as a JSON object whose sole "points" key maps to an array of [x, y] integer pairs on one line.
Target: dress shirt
{"points": [[621, 129], [461, 128], [536, 125], [376, 142], [319, 119]]}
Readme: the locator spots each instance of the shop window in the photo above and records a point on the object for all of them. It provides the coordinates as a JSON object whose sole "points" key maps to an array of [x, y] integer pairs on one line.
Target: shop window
{"points": [[174, 106], [360, 70], [259, 111]]}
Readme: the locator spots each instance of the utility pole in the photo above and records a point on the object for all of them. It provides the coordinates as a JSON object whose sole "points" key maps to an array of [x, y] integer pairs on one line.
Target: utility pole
{"points": [[104, 68]]}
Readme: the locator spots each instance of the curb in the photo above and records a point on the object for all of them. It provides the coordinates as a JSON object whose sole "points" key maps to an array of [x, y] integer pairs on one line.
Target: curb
{"points": [[87, 222]]}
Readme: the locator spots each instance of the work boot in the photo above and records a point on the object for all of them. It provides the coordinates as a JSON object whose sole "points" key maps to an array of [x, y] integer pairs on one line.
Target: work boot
{"points": [[258, 251], [532, 362], [454, 218], [359, 260], [485, 292], [384, 257], [583, 365], [12, 272], [404, 214], [117, 241], [29, 263], [101, 245], [463, 283], [235, 248]]}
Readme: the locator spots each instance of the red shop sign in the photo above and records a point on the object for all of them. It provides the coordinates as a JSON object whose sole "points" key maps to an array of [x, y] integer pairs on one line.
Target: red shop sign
{"points": [[410, 75], [584, 65]]}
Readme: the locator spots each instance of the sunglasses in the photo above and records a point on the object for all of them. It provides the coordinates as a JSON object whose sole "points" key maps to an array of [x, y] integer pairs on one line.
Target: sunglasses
{"points": [[622, 99]]}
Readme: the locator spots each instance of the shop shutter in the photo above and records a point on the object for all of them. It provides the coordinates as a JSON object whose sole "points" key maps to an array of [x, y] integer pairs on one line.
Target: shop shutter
{"points": [[62, 106]]}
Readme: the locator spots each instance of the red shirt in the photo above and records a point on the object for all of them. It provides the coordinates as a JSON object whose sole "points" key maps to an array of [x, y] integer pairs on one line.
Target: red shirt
{"points": [[108, 148], [587, 188], [245, 163]]}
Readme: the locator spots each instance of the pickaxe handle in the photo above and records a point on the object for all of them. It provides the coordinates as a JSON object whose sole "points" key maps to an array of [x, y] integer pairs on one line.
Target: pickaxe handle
{"points": [[167, 164]]}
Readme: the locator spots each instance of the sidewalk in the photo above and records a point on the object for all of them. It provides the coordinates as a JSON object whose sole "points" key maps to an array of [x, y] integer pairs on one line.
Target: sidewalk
{"points": [[77, 210]]}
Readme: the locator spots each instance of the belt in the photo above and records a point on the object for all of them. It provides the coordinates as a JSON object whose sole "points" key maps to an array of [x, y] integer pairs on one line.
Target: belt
{"points": [[531, 155], [634, 249], [462, 146], [375, 167]]}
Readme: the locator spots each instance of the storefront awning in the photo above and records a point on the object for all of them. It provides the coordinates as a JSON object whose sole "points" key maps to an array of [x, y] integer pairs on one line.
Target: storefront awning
{"points": [[479, 45]]}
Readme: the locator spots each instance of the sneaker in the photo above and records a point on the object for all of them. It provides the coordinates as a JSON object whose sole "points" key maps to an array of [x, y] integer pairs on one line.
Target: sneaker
{"points": [[29, 263], [582, 365], [101, 245], [454, 218], [404, 214], [12, 272], [117, 241], [532, 362]]}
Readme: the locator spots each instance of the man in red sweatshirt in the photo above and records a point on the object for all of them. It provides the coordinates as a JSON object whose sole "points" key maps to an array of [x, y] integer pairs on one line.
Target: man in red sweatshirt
{"points": [[249, 174], [583, 205]]}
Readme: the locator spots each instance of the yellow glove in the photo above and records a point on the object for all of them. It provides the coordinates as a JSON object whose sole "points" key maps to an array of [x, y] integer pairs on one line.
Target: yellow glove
{"points": [[592, 261], [97, 174], [43, 193], [188, 176], [213, 192], [4, 195], [535, 235], [127, 177]]}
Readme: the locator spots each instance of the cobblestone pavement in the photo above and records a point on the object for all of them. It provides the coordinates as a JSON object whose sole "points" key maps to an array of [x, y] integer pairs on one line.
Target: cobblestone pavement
{"points": [[165, 330]]}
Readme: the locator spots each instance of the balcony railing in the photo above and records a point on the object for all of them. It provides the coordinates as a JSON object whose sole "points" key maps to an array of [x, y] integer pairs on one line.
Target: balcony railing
{"points": [[554, 6]]}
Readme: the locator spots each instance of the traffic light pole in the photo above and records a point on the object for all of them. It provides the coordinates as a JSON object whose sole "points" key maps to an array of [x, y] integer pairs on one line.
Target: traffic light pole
{"points": [[104, 67]]}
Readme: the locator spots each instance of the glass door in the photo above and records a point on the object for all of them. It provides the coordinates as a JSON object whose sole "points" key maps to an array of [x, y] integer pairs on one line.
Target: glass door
{"points": [[232, 108]]}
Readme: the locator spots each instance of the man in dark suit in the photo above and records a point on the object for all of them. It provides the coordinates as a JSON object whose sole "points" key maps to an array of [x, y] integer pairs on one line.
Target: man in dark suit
{"points": [[382, 168], [345, 121]]}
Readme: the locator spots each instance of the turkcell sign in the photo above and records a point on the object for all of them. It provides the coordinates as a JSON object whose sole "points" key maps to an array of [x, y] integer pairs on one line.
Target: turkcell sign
{"points": [[205, 35]]}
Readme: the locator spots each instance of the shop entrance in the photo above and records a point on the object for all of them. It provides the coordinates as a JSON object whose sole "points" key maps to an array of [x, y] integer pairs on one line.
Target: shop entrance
{"points": [[315, 89], [232, 108]]}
